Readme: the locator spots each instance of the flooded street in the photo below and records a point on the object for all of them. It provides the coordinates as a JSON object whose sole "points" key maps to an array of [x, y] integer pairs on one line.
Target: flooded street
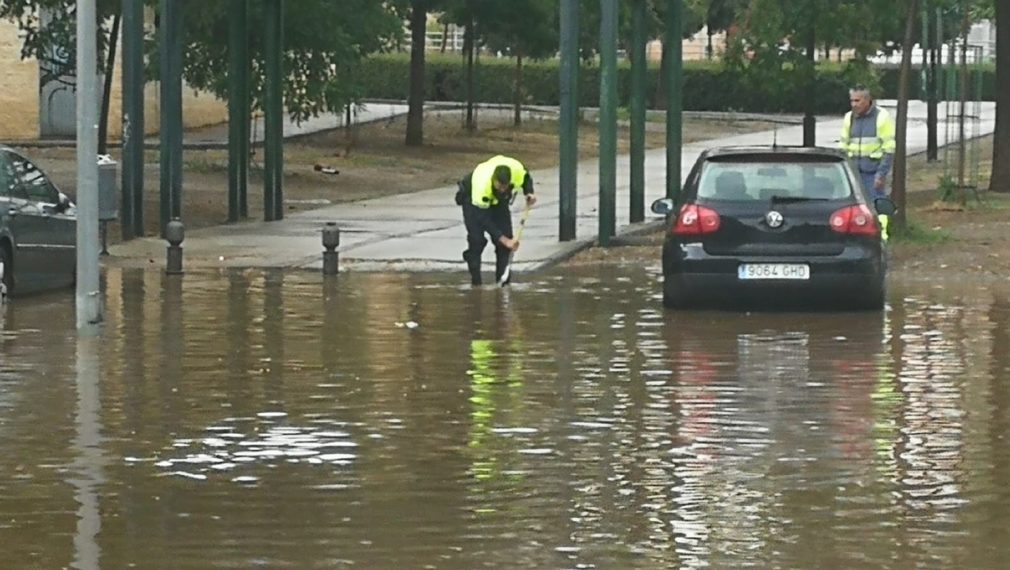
{"points": [[272, 420]]}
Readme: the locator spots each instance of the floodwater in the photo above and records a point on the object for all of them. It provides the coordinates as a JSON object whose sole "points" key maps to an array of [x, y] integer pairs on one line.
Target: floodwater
{"points": [[274, 420]]}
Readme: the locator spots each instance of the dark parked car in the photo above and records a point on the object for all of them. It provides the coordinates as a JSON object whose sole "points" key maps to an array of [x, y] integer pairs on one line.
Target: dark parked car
{"points": [[38, 228], [762, 225]]}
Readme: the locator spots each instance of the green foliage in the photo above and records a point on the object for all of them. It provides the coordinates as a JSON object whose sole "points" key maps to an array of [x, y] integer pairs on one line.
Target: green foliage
{"points": [[889, 75], [707, 86], [324, 43], [526, 27], [324, 40], [914, 233]]}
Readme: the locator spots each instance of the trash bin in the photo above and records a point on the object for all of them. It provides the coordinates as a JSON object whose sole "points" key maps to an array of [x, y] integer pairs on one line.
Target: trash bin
{"points": [[108, 188]]}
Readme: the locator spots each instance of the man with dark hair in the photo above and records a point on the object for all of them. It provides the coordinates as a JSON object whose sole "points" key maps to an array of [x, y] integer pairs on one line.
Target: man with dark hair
{"points": [[485, 196]]}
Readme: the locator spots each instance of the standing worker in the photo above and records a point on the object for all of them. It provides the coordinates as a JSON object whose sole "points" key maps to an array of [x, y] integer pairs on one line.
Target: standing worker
{"points": [[868, 139], [485, 196]]}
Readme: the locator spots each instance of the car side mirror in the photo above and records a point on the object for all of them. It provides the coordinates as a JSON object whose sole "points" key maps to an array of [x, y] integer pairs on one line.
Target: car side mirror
{"points": [[662, 206], [885, 206]]}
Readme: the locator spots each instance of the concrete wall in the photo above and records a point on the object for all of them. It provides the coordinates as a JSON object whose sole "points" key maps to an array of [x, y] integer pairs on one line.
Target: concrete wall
{"points": [[19, 96], [19, 93]]}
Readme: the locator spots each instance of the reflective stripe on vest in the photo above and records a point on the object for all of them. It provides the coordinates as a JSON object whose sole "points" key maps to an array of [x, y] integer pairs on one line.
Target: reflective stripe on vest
{"points": [[876, 146], [482, 184]]}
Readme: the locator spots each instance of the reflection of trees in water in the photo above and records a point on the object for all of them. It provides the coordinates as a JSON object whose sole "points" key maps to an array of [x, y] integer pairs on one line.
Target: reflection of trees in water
{"points": [[930, 462]]}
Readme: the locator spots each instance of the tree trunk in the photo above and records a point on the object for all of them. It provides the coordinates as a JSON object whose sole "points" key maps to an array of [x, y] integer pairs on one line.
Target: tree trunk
{"points": [[518, 115], [962, 140], [415, 99], [901, 130], [932, 123], [709, 53], [445, 36], [468, 47], [110, 66], [1000, 181]]}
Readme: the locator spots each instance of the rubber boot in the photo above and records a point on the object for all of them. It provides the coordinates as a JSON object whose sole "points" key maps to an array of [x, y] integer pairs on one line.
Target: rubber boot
{"points": [[473, 266], [501, 261]]}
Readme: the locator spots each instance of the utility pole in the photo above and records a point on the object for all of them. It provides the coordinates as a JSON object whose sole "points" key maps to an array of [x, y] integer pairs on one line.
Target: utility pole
{"points": [[133, 120], [639, 70], [89, 302], [569, 147], [238, 109], [674, 47], [608, 120], [170, 39], [273, 120]]}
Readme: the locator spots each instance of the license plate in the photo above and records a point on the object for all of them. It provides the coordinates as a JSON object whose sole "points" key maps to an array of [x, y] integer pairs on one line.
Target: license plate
{"points": [[791, 271]]}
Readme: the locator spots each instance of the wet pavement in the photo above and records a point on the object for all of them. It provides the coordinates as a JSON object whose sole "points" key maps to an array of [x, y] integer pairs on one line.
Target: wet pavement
{"points": [[269, 419], [423, 231]]}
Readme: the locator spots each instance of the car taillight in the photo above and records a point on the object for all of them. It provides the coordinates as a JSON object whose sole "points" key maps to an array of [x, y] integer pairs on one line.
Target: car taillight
{"points": [[696, 220], [855, 220]]}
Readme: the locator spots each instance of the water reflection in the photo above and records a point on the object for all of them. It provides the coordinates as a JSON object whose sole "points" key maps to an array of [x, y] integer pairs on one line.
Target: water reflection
{"points": [[275, 419], [88, 465]]}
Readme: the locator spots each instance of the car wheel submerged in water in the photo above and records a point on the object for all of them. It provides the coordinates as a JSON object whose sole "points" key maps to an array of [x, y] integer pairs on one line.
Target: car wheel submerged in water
{"points": [[774, 226]]}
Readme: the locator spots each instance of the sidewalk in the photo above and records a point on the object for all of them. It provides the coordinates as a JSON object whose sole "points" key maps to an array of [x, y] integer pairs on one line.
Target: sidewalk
{"points": [[423, 231]]}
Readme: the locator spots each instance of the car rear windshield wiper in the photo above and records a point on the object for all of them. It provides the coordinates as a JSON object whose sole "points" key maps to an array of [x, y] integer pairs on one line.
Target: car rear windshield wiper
{"points": [[795, 199]]}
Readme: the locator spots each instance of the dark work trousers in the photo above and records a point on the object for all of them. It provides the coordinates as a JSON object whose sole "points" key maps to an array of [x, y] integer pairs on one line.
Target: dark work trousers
{"points": [[478, 223]]}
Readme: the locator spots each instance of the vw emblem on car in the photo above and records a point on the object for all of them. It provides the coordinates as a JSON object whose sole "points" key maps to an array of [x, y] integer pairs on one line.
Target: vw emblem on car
{"points": [[774, 219]]}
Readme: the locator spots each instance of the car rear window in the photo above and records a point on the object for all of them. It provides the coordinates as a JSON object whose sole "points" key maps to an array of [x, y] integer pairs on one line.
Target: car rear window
{"points": [[760, 180]]}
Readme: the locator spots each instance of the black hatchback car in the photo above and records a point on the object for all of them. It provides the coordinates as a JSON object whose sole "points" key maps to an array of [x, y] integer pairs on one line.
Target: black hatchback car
{"points": [[763, 225]]}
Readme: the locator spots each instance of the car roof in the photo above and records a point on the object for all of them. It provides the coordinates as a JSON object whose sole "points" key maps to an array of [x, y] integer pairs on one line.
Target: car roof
{"points": [[779, 151]]}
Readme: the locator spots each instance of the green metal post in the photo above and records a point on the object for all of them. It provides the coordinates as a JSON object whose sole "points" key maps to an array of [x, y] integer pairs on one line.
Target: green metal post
{"points": [[171, 111], [238, 107], [132, 208], [569, 145], [608, 120], [639, 77], [273, 45], [673, 45]]}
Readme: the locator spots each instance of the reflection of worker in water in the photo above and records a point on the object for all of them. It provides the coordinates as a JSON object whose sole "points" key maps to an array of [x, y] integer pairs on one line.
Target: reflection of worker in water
{"points": [[496, 380]]}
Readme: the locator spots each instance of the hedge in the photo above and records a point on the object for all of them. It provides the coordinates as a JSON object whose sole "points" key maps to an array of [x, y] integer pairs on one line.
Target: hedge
{"points": [[707, 86], [890, 74]]}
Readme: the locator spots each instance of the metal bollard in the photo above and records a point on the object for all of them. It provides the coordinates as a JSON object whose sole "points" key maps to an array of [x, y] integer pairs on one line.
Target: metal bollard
{"points": [[175, 232], [331, 240]]}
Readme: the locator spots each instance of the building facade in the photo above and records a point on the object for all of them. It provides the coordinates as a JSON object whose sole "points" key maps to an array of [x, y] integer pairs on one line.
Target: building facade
{"points": [[30, 111]]}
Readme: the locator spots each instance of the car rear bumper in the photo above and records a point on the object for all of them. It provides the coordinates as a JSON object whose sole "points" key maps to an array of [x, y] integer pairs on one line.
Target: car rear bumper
{"points": [[854, 274]]}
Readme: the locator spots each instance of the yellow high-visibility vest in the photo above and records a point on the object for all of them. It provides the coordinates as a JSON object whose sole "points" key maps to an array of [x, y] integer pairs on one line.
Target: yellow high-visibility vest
{"points": [[482, 184], [870, 145]]}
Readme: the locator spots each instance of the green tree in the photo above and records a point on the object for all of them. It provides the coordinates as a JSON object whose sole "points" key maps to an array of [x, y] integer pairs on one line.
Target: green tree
{"points": [[720, 15], [468, 14], [324, 42], [522, 28]]}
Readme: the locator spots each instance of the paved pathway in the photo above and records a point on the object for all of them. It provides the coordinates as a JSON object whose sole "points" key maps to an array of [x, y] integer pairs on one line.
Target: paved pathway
{"points": [[423, 231]]}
